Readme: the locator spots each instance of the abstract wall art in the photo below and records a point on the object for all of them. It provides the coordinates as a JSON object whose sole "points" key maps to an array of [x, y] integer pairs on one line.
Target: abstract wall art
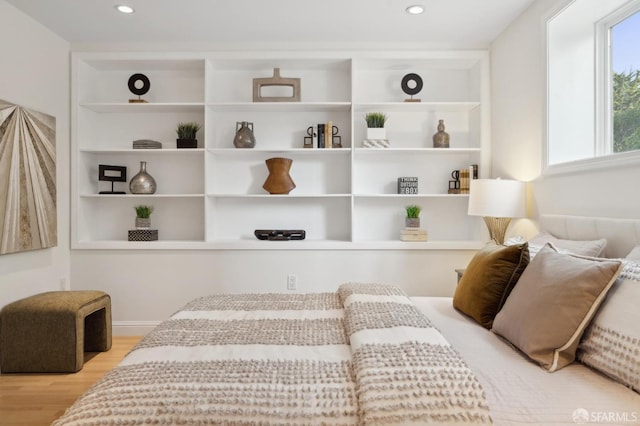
{"points": [[27, 179]]}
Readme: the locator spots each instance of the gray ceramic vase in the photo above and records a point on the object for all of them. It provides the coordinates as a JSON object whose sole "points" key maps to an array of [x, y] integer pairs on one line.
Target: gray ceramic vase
{"points": [[244, 135]]}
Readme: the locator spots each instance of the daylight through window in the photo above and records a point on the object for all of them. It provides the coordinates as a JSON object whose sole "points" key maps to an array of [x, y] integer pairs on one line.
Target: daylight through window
{"points": [[593, 83], [625, 67]]}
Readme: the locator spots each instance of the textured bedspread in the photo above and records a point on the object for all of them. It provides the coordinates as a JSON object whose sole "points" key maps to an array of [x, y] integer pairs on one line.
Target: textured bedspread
{"points": [[363, 355]]}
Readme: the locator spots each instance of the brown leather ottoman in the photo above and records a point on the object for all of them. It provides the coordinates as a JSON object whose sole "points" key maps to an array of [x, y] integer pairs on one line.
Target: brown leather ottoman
{"points": [[49, 332]]}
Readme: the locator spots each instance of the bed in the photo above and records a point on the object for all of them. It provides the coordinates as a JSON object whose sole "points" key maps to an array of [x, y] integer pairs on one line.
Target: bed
{"points": [[369, 354]]}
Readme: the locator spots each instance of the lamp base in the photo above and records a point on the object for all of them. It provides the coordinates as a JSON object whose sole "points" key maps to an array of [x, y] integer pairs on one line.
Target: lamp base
{"points": [[497, 227]]}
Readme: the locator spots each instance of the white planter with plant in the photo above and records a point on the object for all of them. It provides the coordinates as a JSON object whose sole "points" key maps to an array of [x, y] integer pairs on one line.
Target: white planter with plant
{"points": [[375, 125], [143, 216]]}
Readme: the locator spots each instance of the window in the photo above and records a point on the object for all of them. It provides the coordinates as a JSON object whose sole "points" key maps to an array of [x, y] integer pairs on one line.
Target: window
{"points": [[625, 83], [593, 83]]}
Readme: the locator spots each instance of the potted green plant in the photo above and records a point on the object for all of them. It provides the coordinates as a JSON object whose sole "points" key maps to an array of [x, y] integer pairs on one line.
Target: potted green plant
{"points": [[187, 135], [413, 216], [143, 216], [375, 125]]}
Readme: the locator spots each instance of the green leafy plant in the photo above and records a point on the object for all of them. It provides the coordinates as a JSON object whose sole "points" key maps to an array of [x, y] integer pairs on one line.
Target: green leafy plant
{"points": [[187, 130], [375, 119], [413, 211], [143, 211]]}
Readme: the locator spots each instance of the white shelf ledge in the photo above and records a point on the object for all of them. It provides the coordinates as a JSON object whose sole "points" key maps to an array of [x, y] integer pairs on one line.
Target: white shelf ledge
{"points": [[276, 245], [114, 107]]}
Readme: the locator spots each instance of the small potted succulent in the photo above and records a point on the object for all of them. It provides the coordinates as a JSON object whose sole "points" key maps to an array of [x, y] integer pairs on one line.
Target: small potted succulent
{"points": [[143, 216], [413, 216], [375, 125], [187, 135]]}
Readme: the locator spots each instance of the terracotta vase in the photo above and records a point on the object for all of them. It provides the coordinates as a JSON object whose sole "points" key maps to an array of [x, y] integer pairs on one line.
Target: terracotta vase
{"points": [[279, 181]]}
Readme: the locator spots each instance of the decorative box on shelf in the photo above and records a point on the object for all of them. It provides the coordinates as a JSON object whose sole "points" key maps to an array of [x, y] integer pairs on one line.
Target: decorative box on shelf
{"points": [[407, 185], [413, 234], [376, 143], [143, 235]]}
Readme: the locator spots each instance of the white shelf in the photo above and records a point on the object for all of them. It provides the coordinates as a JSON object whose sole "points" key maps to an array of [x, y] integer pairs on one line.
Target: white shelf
{"points": [[435, 151], [417, 106], [126, 107], [278, 245], [403, 196], [279, 106], [274, 196], [127, 151], [344, 198], [244, 152], [147, 196]]}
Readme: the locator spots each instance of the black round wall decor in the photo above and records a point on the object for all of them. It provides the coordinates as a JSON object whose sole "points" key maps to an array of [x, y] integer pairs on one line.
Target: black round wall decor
{"points": [[145, 84], [416, 79]]}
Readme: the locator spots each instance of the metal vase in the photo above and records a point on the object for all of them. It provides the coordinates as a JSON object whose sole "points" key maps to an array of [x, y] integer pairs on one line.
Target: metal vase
{"points": [[143, 182]]}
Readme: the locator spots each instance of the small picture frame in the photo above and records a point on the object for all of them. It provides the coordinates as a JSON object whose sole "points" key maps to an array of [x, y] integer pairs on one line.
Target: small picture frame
{"points": [[112, 174]]}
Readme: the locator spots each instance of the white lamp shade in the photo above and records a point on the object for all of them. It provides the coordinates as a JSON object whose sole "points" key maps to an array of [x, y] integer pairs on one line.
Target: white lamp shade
{"points": [[497, 198]]}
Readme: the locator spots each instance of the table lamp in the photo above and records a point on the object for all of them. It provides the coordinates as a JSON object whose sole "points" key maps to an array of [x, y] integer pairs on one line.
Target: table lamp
{"points": [[497, 200]]}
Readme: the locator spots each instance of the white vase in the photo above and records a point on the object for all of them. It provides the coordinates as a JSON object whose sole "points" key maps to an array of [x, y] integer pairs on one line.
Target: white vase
{"points": [[376, 133]]}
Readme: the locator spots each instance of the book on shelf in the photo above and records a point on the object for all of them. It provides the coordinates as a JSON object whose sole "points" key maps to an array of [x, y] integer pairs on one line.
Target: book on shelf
{"points": [[464, 181], [328, 134], [321, 129]]}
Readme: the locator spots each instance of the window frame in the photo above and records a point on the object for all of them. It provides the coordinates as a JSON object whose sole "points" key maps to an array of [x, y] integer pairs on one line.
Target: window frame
{"points": [[604, 157]]}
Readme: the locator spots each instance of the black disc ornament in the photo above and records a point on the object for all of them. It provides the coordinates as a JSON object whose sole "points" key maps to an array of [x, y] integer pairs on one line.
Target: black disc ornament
{"points": [[133, 83], [411, 89]]}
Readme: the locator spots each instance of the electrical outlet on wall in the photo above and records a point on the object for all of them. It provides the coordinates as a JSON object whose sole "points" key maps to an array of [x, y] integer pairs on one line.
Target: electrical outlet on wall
{"points": [[292, 282]]}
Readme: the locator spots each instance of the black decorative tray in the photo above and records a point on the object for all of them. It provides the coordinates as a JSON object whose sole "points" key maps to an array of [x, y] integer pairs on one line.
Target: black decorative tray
{"points": [[279, 234]]}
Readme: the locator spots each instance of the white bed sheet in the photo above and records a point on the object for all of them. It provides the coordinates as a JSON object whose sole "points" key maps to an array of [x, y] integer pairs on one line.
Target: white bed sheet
{"points": [[520, 392]]}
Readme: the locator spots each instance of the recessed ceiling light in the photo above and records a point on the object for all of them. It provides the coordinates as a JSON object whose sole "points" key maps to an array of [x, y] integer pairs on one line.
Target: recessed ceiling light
{"points": [[125, 9], [415, 9]]}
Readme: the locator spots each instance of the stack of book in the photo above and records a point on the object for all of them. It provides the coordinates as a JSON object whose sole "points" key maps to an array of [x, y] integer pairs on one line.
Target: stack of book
{"points": [[413, 234]]}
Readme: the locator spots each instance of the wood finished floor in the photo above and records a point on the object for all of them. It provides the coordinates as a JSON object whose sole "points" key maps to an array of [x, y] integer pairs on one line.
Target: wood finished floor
{"points": [[39, 399]]}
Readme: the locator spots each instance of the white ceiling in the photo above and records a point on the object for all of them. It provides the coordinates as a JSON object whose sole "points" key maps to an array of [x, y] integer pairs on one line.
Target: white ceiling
{"points": [[445, 23]]}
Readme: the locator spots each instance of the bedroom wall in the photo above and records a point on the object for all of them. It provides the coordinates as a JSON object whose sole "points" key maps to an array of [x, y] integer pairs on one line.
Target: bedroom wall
{"points": [[518, 67], [34, 73]]}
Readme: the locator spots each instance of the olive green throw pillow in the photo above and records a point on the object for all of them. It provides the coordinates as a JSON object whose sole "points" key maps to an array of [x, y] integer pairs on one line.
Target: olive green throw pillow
{"points": [[488, 280]]}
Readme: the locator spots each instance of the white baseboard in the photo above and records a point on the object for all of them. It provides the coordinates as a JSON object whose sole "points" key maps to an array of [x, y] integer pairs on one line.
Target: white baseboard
{"points": [[133, 328]]}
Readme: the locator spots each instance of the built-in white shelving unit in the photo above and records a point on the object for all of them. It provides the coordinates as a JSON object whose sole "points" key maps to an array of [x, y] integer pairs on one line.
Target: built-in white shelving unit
{"points": [[211, 197]]}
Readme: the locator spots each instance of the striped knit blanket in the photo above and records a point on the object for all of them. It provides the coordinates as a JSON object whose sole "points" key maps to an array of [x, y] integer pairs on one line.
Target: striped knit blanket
{"points": [[362, 355]]}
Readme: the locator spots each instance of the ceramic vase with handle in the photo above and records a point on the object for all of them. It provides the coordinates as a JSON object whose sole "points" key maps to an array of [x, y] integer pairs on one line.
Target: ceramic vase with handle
{"points": [[244, 135]]}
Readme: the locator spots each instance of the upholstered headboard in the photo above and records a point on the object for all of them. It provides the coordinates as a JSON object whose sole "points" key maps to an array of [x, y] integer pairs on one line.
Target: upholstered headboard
{"points": [[621, 234]]}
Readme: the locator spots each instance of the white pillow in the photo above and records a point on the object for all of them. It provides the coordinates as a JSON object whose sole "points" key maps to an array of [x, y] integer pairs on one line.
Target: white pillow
{"points": [[611, 343], [591, 248]]}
